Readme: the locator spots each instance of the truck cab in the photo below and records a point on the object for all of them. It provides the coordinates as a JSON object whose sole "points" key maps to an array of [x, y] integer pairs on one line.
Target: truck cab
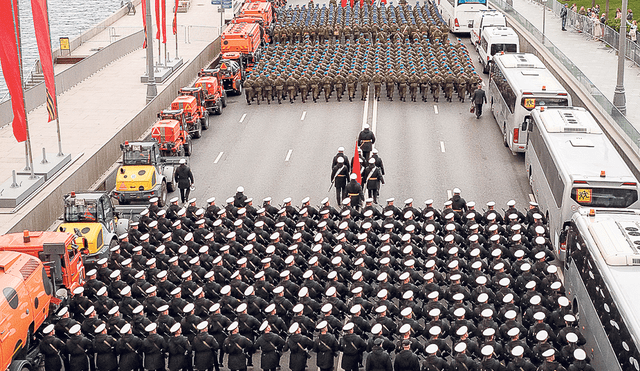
{"points": [[94, 216], [60, 252], [231, 74], [195, 116], [171, 134], [215, 98], [144, 173]]}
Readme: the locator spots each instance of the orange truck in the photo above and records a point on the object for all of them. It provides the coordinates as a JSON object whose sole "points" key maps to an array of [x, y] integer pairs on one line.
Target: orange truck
{"points": [[58, 250], [171, 134], [28, 293], [215, 97], [261, 13], [195, 116], [242, 42]]}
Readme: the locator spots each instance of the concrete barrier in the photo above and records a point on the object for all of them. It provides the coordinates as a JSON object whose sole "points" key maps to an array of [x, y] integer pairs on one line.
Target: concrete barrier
{"points": [[68, 78], [92, 168]]}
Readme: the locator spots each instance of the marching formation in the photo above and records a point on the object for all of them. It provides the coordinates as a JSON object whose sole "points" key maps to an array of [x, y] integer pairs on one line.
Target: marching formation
{"points": [[407, 51], [442, 289]]}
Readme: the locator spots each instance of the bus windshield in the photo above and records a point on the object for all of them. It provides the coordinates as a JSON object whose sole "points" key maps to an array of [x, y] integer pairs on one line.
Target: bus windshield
{"points": [[530, 103], [604, 197], [461, 2], [507, 48]]}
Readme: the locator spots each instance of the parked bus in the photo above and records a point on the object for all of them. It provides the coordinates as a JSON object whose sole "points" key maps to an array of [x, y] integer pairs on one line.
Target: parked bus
{"points": [[518, 83], [571, 163], [601, 280], [496, 40], [459, 15]]}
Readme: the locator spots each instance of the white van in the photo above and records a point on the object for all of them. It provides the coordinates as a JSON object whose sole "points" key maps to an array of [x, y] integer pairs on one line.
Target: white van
{"points": [[484, 19], [495, 40]]}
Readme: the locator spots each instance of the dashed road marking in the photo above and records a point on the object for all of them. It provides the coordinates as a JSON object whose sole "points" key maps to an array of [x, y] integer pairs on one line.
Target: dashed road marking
{"points": [[366, 110], [374, 117], [435, 109], [243, 117], [288, 155], [218, 158], [304, 114], [442, 146]]}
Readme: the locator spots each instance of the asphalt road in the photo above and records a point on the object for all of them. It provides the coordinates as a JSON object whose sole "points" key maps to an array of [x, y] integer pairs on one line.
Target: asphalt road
{"points": [[285, 150]]}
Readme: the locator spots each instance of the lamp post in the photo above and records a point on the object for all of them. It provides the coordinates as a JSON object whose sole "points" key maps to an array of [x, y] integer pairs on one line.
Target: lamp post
{"points": [[619, 98], [152, 91]]}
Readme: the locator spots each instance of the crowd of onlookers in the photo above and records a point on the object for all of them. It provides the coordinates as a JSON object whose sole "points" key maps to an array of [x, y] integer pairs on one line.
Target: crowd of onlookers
{"points": [[593, 21]]}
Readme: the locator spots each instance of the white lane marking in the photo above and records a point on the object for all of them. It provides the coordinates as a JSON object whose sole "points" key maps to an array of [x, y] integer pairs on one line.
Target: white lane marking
{"points": [[218, 158], [243, 117], [442, 146], [366, 110], [449, 194], [435, 109], [374, 118], [532, 198], [288, 155], [304, 114]]}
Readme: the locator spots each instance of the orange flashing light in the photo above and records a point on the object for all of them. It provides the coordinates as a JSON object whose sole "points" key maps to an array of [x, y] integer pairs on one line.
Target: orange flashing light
{"points": [[25, 236], [602, 174], [592, 212], [542, 109], [544, 88]]}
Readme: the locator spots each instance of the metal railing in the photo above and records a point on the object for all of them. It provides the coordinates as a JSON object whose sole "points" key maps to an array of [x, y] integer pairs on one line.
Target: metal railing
{"points": [[589, 86]]}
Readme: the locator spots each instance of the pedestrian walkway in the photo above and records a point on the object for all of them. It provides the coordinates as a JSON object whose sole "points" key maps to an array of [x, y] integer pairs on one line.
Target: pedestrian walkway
{"points": [[594, 58], [93, 111]]}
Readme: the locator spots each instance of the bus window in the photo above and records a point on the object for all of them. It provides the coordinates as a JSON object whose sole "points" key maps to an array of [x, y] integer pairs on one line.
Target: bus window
{"points": [[604, 197], [483, 2], [507, 48]]}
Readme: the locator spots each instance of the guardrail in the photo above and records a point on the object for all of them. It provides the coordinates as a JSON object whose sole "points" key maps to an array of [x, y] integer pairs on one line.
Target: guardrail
{"points": [[623, 125]]}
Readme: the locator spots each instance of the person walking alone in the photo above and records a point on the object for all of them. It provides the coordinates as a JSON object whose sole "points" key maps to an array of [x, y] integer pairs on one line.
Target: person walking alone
{"points": [[563, 15], [479, 97], [184, 178]]}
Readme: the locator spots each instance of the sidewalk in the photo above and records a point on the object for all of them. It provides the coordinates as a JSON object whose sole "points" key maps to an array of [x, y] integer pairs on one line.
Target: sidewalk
{"points": [[94, 110], [594, 58]]}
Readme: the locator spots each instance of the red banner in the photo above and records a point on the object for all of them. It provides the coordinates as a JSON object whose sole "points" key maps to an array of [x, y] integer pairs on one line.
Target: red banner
{"points": [[9, 57], [175, 18], [164, 21], [356, 165], [343, 3], [158, 11], [41, 26], [144, 22]]}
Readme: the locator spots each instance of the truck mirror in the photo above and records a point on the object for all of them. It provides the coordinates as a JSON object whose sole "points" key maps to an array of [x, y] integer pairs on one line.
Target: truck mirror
{"points": [[77, 232]]}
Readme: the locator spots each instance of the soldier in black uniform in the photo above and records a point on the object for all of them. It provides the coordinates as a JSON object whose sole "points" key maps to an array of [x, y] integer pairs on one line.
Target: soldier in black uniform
{"points": [[326, 347], [298, 346], [354, 191], [372, 177], [104, 348], [205, 347], [51, 347], [271, 346], [339, 175], [406, 360], [184, 178], [378, 359], [77, 349], [153, 347], [129, 348], [238, 348], [179, 350], [366, 140], [353, 347]]}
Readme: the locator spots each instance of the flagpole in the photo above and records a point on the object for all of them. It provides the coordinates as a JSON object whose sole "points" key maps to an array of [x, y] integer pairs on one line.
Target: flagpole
{"points": [[15, 11], [60, 153], [175, 17]]}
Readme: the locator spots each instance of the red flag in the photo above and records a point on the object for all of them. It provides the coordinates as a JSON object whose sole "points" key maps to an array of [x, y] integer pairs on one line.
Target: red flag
{"points": [[175, 18], [10, 59], [144, 23], [356, 165], [41, 26], [158, 19], [343, 3], [361, 3], [164, 21]]}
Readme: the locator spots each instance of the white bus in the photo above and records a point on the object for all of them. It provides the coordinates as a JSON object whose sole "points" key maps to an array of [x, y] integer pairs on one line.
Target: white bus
{"points": [[517, 84], [571, 163], [459, 15], [495, 40], [601, 278]]}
